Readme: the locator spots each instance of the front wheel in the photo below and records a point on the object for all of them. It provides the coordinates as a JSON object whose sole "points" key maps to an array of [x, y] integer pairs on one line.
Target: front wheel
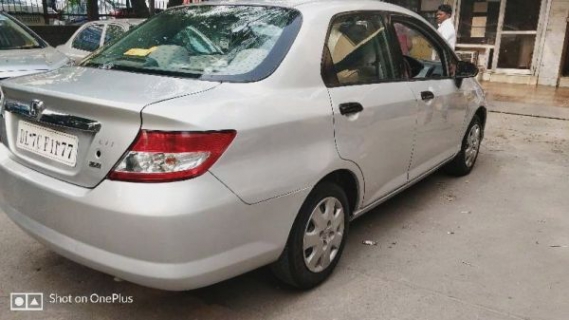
{"points": [[464, 161], [317, 238]]}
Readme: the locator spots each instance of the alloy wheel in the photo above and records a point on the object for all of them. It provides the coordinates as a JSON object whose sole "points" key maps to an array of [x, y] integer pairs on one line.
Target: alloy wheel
{"points": [[323, 234], [472, 145]]}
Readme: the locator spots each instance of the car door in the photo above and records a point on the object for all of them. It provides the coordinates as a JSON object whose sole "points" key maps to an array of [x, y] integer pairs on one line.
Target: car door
{"points": [[442, 106], [374, 110]]}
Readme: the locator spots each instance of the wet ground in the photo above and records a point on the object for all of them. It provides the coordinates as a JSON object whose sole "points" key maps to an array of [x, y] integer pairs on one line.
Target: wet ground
{"points": [[533, 95]]}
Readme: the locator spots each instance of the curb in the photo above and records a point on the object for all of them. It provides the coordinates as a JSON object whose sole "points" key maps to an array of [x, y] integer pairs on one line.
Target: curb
{"points": [[530, 110]]}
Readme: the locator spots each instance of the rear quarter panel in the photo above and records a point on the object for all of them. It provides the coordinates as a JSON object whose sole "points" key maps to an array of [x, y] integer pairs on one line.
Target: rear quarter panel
{"points": [[285, 137]]}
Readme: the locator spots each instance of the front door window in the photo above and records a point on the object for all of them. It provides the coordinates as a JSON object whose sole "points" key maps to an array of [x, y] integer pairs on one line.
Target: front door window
{"points": [[421, 55]]}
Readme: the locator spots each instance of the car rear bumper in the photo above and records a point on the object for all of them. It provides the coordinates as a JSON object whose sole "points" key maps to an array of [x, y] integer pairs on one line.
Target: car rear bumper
{"points": [[172, 236]]}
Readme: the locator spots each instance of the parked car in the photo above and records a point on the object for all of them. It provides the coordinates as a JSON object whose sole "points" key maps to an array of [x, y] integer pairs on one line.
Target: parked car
{"points": [[23, 52], [175, 162], [75, 13], [93, 35]]}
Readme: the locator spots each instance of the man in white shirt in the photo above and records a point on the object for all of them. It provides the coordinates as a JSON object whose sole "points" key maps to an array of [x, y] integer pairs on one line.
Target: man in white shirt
{"points": [[446, 28]]}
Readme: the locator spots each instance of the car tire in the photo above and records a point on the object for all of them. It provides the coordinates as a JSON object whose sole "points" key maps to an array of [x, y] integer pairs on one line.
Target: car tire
{"points": [[317, 238], [464, 161]]}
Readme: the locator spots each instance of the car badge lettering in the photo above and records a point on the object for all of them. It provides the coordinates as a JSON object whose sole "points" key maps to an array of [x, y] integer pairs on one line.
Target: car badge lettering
{"points": [[96, 165], [36, 108]]}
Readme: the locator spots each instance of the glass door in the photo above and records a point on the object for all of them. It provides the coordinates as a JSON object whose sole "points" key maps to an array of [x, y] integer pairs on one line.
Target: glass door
{"points": [[517, 36], [565, 61]]}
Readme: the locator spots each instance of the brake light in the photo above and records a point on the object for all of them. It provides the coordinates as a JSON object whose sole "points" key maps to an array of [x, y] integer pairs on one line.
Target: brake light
{"points": [[158, 156]]}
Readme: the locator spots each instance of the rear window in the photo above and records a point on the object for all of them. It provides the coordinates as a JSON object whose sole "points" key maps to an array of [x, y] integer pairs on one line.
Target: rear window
{"points": [[211, 42]]}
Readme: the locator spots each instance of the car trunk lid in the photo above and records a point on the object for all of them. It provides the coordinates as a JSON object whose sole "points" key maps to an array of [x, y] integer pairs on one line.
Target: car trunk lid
{"points": [[75, 124]]}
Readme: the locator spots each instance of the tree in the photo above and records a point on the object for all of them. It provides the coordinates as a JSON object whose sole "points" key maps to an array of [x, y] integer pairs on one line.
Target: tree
{"points": [[92, 10], [173, 3], [140, 8]]}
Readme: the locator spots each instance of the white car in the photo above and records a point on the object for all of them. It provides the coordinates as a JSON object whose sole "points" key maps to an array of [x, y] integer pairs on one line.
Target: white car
{"points": [[217, 138], [95, 34]]}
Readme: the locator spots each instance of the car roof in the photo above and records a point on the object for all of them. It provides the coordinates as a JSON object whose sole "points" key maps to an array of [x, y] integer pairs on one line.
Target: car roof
{"points": [[299, 4], [283, 3], [296, 3], [117, 21]]}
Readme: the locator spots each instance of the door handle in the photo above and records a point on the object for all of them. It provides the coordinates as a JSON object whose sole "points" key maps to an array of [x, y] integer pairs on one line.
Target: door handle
{"points": [[427, 95], [350, 108]]}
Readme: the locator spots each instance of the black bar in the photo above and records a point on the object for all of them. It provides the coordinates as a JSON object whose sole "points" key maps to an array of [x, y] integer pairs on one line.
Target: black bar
{"points": [[45, 14]]}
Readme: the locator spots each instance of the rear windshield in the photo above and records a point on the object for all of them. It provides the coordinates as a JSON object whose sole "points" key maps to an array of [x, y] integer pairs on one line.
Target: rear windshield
{"points": [[13, 36], [209, 42]]}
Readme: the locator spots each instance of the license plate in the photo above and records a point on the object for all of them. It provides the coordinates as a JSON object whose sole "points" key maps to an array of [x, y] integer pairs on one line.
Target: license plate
{"points": [[48, 143]]}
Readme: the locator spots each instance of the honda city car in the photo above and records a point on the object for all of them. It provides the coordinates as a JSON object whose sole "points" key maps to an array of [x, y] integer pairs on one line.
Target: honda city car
{"points": [[219, 137]]}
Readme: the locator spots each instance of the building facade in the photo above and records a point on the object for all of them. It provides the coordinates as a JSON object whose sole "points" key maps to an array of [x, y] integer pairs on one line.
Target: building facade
{"points": [[516, 41]]}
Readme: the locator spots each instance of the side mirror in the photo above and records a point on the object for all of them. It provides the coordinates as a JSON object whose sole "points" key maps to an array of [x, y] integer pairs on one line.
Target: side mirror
{"points": [[466, 69]]}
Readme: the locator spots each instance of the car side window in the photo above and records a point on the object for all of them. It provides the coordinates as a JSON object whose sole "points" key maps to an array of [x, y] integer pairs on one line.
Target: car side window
{"points": [[113, 32], [359, 50], [88, 39], [421, 55]]}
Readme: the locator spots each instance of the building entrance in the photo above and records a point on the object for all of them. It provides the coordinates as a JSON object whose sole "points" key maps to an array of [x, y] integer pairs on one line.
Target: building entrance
{"points": [[565, 61]]}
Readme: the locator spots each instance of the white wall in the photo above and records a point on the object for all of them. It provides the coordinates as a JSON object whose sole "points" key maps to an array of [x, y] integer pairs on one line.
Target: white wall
{"points": [[553, 46]]}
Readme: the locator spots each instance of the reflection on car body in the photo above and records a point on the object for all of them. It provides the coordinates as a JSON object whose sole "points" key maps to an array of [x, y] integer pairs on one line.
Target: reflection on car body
{"points": [[232, 135]]}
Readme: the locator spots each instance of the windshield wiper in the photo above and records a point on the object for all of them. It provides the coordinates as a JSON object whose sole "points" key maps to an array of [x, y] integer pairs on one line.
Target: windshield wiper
{"points": [[157, 72], [108, 64], [121, 67]]}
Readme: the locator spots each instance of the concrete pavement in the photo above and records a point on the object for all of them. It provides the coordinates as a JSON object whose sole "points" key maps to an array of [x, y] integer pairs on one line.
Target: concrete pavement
{"points": [[539, 101]]}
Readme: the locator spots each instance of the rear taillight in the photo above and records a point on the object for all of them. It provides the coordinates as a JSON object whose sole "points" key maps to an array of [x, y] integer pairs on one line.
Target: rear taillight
{"points": [[158, 156]]}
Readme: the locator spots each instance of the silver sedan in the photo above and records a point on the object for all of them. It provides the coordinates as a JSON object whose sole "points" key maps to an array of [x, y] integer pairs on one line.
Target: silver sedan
{"points": [[220, 137]]}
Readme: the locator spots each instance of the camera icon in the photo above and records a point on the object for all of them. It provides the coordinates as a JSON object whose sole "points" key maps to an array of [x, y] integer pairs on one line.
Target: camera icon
{"points": [[26, 301]]}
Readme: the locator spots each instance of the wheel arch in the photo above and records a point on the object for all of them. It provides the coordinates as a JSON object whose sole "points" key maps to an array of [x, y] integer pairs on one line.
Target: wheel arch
{"points": [[482, 113], [348, 181]]}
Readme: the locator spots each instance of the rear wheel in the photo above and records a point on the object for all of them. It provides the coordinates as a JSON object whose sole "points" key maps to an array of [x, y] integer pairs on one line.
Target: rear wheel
{"points": [[464, 161], [317, 238]]}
